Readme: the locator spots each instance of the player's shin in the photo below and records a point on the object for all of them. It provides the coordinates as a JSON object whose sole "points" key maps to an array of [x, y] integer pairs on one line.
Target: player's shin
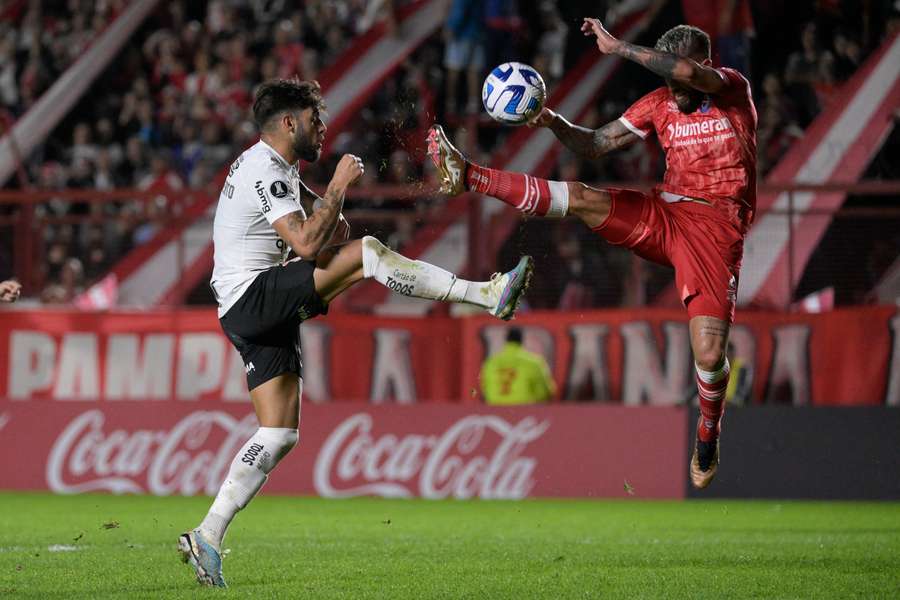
{"points": [[711, 386], [247, 474], [420, 279], [530, 195]]}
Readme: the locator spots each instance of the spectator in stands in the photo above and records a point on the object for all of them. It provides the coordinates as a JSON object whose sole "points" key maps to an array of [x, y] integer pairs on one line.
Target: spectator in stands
{"points": [[778, 128], [464, 50], [847, 55], [82, 147], [68, 286], [551, 45], [288, 51], [516, 376], [9, 91], [729, 24], [809, 74], [502, 25], [10, 290]]}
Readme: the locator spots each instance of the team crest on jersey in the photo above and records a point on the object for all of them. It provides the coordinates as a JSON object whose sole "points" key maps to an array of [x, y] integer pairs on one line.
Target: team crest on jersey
{"points": [[279, 189]]}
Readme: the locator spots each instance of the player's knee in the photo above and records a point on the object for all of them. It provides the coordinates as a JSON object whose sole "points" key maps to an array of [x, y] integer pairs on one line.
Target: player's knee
{"points": [[709, 358], [590, 204], [372, 251], [277, 442]]}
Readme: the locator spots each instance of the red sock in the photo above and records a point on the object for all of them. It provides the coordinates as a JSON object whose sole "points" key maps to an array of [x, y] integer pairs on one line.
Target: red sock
{"points": [[711, 388], [530, 195]]}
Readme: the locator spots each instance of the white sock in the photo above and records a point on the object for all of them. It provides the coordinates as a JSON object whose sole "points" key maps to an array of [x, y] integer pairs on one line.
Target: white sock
{"points": [[559, 199], [420, 279], [247, 474]]}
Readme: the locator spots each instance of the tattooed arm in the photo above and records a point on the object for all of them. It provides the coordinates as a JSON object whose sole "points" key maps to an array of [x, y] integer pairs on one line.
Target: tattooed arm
{"points": [[307, 237], [312, 202], [588, 143], [309, 200], [683, 70]]}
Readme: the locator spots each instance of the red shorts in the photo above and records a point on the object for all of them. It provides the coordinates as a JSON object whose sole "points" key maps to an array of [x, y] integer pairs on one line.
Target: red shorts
{"points": [[703, 246]]}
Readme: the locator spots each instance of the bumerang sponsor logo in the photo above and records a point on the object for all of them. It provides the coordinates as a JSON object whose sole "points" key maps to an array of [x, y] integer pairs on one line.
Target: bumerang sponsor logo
{"points": [[483, 456]]}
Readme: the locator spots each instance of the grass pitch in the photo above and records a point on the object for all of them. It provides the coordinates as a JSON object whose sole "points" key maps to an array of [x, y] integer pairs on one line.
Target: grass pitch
{"points": [[101, 546]]}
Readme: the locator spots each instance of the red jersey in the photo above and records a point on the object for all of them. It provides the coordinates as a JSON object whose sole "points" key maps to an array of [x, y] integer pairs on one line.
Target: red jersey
{"points": [[710, 153]]}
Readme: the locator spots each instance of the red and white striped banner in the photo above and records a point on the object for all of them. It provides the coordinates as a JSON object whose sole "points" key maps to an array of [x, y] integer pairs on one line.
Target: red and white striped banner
{"points": [[836, 148], [32, 129]]}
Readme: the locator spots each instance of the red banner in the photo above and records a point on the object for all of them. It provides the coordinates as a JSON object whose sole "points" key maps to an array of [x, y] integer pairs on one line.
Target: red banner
{"points": [[844, 357], [432, 451]]}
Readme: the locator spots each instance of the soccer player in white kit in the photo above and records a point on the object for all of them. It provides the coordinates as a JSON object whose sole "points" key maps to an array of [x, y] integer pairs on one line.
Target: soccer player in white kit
{"points": [[264, 212]]}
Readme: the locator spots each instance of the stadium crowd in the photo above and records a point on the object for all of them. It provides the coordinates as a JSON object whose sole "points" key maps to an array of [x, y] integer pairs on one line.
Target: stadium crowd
{"points": [[173, 109]]}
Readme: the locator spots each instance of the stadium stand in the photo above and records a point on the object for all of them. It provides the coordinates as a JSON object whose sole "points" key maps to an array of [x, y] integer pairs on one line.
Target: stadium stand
{"points": [[174, 111]]}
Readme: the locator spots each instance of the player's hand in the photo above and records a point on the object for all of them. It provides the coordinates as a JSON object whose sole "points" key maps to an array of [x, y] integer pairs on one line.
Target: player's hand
{"points": [[348, 171], [543, 118], [605, 42], [10, 290]]}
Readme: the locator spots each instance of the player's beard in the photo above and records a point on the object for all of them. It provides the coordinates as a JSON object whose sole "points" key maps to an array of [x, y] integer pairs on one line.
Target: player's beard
{"points": [[686, 99], [305, 145]]}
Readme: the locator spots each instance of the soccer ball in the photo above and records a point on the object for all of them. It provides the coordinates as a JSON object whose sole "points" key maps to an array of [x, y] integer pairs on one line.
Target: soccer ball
{"points": [[513, 93]]}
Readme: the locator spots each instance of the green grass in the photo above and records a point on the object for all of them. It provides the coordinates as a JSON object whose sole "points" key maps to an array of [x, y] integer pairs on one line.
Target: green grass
{"points": [[368, 548]]}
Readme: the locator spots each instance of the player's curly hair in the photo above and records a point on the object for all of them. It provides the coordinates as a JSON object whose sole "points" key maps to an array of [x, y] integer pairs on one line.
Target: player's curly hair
{"points": [[684, 40], [279, 95]]}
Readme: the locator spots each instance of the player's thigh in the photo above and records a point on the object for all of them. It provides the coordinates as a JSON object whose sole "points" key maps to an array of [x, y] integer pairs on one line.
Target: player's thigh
{"points": [[706, 253], [632, 220], [342, 270], [277, 401]]}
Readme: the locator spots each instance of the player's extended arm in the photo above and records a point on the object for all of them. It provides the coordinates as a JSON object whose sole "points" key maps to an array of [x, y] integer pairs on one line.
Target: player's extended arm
{"points": [[588, 143], [593, 143], [312, 202], [683, 70], [308, 236]]}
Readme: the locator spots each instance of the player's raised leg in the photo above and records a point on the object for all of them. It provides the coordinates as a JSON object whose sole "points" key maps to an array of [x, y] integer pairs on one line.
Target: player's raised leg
{"points": [[370, 259], [709, 340], [530, 195]]}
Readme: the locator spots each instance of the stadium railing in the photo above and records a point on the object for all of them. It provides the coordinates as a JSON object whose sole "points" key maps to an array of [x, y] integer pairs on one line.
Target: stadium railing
{"points": [[24, 227]]}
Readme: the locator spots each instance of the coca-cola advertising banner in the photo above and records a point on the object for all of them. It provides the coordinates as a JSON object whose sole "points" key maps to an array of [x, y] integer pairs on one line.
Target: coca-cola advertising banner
{"points": [[630, 357], [429, 451]]}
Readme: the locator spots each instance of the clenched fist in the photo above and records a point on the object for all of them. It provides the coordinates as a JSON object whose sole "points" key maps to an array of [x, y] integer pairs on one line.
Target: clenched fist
{"points": [[348, 171], [10, 290]]}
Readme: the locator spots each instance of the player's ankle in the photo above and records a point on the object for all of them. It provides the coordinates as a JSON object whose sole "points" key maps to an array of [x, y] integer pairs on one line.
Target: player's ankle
{"points": [[707, 432]]}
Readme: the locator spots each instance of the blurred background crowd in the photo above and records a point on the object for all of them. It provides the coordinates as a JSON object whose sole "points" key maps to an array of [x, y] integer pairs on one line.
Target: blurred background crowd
{"points": [[173, 109]]}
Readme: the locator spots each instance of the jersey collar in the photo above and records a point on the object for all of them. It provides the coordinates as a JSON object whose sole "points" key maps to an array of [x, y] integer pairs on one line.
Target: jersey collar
{"points": [[293, 168]]}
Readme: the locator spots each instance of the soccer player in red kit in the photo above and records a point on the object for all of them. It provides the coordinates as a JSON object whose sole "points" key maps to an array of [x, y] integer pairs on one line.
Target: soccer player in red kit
{"points": [[695, 221]]}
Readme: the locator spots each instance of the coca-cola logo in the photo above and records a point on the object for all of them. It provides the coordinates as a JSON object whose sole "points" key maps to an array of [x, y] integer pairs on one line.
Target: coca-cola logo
{"points": [[477, 456], [181, 460]]}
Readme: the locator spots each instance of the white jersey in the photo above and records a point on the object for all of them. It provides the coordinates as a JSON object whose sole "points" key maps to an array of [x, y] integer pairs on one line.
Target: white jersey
{"points": [[261, 187]]}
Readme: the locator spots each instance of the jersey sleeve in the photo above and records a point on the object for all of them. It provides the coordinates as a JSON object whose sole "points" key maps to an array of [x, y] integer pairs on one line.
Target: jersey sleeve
{"points": [[737, 88], [273, 193], [639, 116]]}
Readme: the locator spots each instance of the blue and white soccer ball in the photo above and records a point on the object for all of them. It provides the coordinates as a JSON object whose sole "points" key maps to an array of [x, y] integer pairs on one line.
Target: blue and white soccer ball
{"points": [[513, 93]]}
